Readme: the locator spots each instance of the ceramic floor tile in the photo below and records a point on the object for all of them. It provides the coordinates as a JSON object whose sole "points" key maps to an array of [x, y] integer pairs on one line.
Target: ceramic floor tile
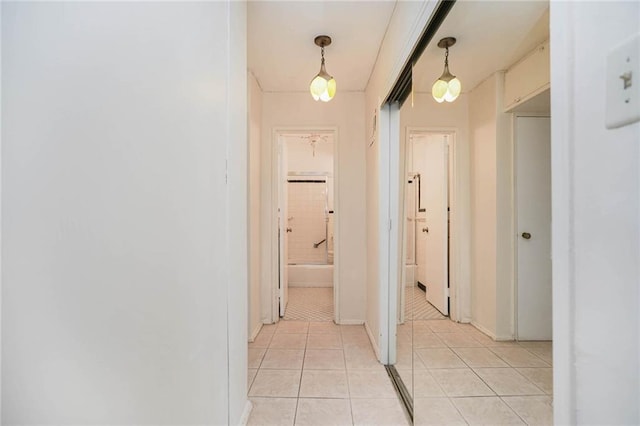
{"points": [[436, 412], [427, 340], [324, 359], [519, 357], [262, 340], [251, 374], [255, 357], [459, 340], [276, 383], [323, 327], [486, 411], [440, 358], [283, 359], [288, 341], [541, 349], [353, 330], [361, 359], [479, 357], [324, 384], [323, 412], [425, 386], [443, 326], [378, 412], [370, 384], [507, 381], [272, 411], [351, 342], [296, 327], [324, 341], [461, 382], [534, 410], [541, 377], [489, 342]]}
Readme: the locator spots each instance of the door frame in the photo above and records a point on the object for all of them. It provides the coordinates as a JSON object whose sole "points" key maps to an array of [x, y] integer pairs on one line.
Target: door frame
{"points": [[454, 237], [276, 196], [514, 209]]}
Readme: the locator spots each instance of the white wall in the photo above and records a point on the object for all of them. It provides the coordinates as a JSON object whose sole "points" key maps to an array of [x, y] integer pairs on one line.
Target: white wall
{"points": [[596, 222], [406, 25], [426, 113], [299, 110], [491, 210], [255, 129], [117, 269], [303, 157]]}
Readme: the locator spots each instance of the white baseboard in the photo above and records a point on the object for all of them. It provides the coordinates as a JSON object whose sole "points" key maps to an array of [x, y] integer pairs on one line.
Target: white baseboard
{"points": [[483, 330], [374, 344], [351, 322], [246, 413], [310, 284], [255, 332]]}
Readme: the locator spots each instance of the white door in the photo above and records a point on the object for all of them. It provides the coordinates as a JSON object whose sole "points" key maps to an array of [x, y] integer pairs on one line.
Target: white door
{"points": [[533, 192], [283, 227], [433, 232]]}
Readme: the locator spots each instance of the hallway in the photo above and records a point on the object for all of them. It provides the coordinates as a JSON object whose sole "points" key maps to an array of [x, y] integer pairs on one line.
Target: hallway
{"points": [[318, 373]]}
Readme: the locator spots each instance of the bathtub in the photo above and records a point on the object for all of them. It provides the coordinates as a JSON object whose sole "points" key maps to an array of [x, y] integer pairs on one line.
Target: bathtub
{"points": [[310, 275]]}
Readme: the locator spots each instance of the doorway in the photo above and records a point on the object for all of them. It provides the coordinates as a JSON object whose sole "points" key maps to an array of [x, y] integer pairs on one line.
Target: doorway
{"points": [[427, 227], [532, 140], [306, 225]]}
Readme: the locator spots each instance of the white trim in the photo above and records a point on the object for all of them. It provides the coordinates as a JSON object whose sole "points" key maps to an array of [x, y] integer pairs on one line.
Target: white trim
{"points": [[254, 333], [352, 322], [455, 265], [396, 266], [384, 233], [276, 132], [483, 330], [244, 419], [562, 206], [375, 347]]}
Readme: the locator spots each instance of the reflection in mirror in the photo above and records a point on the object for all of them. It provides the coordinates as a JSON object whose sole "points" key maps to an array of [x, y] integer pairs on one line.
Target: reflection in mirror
{"points": [[459, 209]]}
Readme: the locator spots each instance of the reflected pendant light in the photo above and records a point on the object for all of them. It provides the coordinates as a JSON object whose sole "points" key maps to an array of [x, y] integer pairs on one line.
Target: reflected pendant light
{"points": [[447, 87], [323, 86]]}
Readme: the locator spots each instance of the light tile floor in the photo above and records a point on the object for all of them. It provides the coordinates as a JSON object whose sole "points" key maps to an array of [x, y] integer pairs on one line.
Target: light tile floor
{"points": [[319, 373], [458, 375], [310, 304], [307, 373]]}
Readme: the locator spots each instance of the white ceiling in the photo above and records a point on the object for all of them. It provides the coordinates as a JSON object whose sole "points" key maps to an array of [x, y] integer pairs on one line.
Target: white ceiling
{"points": [[491, 36], [283, 56]]}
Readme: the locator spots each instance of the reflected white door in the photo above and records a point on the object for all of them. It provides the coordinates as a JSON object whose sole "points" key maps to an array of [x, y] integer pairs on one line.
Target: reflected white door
{"points": [[283, 226], [533, 192], [433, 231]]}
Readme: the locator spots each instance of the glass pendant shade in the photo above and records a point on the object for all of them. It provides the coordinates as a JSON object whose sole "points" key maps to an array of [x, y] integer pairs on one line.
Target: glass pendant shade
{"points": [[446, 88], [323, 86]]}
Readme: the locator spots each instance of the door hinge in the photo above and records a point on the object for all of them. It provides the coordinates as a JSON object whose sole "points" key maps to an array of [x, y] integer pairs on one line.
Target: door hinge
{"points": [[226, 171], [446, 292], [390, 224]]}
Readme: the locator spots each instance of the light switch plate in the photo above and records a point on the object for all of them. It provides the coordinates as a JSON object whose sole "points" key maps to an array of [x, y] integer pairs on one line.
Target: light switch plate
{"points": [[623, 84]]}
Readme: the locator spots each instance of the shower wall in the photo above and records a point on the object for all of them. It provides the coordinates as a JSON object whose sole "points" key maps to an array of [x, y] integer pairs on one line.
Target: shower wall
{"points": [[310, 198], [307, 219]]}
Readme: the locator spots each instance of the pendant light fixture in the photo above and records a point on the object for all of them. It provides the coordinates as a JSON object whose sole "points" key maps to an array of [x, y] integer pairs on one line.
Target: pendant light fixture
{"points": [[323, 86], [447, 87]]}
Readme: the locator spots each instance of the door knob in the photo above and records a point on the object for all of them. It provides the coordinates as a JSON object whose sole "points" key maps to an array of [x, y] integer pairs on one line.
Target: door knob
{"points": [[288, 229], [526, 235], [425, 230]]}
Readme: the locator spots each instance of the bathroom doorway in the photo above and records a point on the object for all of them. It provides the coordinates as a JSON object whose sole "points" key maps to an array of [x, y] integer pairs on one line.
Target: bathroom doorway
{"points": [[306, 225]]}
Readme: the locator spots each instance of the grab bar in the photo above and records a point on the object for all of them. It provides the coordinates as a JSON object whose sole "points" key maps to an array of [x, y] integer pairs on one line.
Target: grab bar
{"points": [[316, 245]]}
